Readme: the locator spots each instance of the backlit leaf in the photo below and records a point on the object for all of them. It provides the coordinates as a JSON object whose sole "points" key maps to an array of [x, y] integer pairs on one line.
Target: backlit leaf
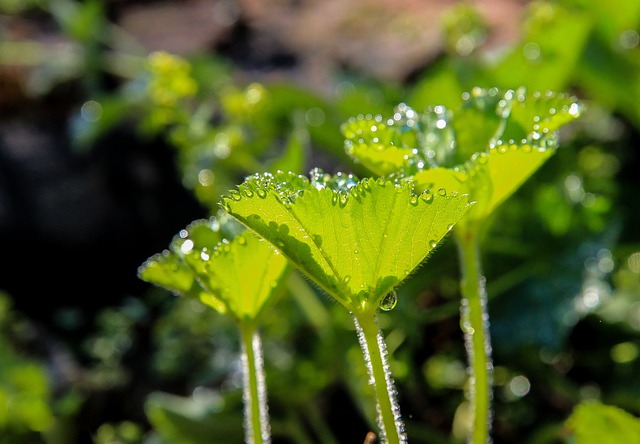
{"points": [[357, 242], [376, 144], [236, 277], [487, 148]]}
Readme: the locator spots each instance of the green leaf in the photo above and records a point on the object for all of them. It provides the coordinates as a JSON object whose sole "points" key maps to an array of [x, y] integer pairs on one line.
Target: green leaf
{"points": [[593, 423], [488, 179], [357, 241], [378, 145], [236, 277], [488, 148]]}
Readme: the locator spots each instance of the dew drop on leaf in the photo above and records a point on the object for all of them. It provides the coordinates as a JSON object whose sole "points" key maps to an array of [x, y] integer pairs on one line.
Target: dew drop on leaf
{"points": [[389, 301], [427, 196], [346, 279], [248, 192], [262, 193], [442, 192]]}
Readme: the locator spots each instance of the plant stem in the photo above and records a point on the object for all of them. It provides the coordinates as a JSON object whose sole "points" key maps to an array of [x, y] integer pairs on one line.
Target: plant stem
{"points": [[474, 324], [256, 412], [375, 355]]}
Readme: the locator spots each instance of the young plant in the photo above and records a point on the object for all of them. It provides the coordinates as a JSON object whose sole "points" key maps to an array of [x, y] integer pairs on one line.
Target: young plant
{"points": [[487, 149], [237, 278], [357, 241]]}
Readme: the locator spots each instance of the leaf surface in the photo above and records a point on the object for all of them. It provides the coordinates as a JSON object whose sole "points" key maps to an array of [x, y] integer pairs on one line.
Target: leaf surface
{"points": [[236, 277], [356, 243], [487, 148]]}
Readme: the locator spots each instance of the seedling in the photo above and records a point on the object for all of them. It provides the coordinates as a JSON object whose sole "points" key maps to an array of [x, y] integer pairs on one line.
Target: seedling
{"points": [[237, 278], [357, 240], [487, 149]]}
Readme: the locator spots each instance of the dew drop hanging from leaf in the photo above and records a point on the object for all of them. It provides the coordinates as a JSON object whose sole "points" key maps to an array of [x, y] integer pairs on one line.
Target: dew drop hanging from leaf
{"points": [[389, 302]]}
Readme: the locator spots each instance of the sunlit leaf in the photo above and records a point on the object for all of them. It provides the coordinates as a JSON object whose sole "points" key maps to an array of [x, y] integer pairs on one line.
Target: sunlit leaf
{"points": [[243, 273], [593, 423], [489, 179], [236, 277], [487, 148], [376, 144], [355, 240]]}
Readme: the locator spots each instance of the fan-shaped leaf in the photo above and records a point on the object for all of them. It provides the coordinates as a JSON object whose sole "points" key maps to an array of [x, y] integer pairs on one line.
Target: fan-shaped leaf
{"points": [[487, 148], [357, 244], [489, 179], [236, 277]]}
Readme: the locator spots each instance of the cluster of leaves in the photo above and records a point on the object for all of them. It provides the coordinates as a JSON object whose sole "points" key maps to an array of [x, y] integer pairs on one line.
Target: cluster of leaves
{"points": [[223, 131]]}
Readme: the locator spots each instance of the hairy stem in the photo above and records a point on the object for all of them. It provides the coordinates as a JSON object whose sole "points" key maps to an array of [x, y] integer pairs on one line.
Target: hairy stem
{"points": [[475, 325], [375, 355], [256, 413]]}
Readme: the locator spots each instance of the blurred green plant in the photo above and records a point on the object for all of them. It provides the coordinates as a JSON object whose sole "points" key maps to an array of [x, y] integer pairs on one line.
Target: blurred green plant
{"points": [[25, 391], [592, 423]]}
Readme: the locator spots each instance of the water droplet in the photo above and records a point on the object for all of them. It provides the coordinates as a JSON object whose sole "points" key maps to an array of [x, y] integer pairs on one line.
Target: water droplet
{"points": [[427, 196], [235, 195], [248, 192], [346, 279], [355, 252], [449, 227], [242, 240], [389, 301], [414, 200], [442, 192], [262, 193], [433, 243], [574, 109], [481, 158], [183, 234], [186, 246]]}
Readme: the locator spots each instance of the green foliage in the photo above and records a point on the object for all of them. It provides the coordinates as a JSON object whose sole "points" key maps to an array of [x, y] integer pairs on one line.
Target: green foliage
{"points": [[237, 277], [25, 390], [487, 148], [356, 240], [193, 420], [594, 423], [576, 215]]}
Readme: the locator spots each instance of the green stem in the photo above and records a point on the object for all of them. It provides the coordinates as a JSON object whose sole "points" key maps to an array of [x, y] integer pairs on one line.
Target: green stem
{"points": [[474, 324], [375, 355], [256, 413]]}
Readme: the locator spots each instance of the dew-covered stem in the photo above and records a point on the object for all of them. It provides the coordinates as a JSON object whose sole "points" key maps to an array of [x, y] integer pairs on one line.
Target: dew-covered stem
{"points": [[475, 325], [375, 356], [256, 413]]}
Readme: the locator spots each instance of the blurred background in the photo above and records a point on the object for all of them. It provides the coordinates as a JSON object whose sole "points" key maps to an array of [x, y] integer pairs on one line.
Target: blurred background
{"points": [[123, 121]]}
